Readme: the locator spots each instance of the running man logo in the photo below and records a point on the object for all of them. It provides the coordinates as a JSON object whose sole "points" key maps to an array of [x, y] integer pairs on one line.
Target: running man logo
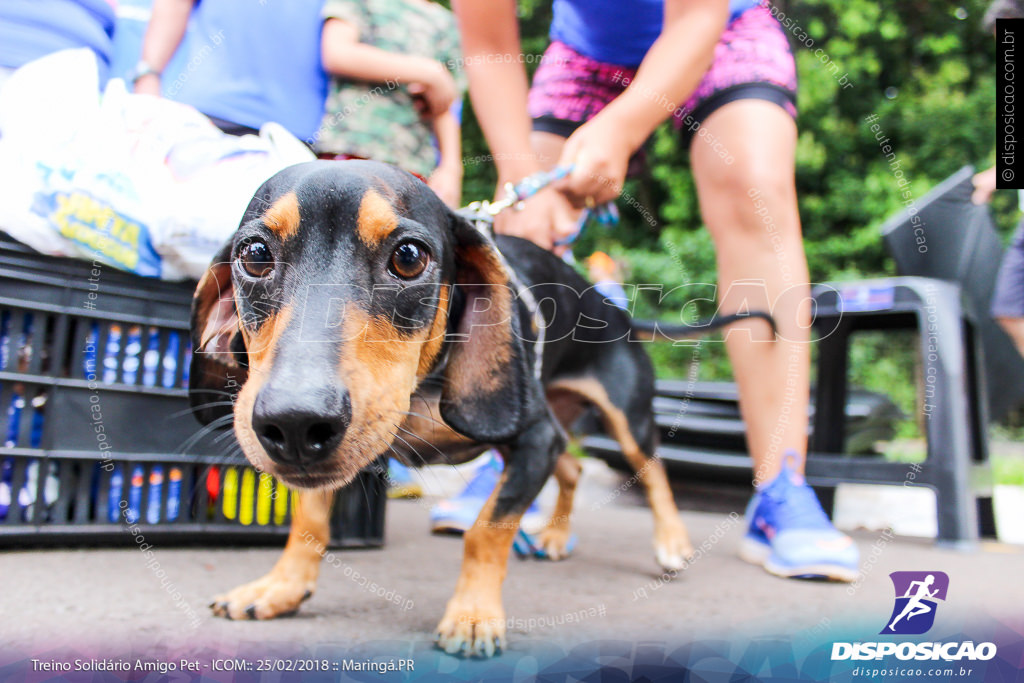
{"points": [[916, 596]]}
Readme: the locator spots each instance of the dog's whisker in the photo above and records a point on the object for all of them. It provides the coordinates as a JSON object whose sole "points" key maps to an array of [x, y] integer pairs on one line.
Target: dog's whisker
{"points": [[398, 456], [414, 452], [407, 444], [202, 406], [226, 435], [423, 439], [233, 455], [218, 392], [412, 413], [205, 431], [366, 494], [423, 460]]}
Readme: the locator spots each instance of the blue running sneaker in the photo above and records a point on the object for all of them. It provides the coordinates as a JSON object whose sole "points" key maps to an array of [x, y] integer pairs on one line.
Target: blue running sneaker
{"points": [[456, 515], [401, 483], [790, 535]]}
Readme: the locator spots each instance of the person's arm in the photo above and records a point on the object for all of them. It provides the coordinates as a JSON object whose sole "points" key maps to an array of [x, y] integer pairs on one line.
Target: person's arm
{"points": [[343, 55], [984, 186], [672, 68], [167, 24], [446, 180], [498, 89], [497, 86]]}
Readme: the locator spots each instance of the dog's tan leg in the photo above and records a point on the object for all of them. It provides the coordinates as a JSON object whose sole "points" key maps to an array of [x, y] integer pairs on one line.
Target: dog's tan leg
{"points": [[474, 621], [554, 539], [672, 545], [293, 578]]}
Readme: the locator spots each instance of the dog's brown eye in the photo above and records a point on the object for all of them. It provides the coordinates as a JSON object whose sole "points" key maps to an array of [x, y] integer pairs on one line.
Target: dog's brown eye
{"points": [[256, 259], [408, 260]]}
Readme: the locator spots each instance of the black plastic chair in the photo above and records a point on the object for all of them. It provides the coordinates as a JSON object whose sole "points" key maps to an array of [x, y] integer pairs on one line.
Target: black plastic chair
{"points": [[956, 466], [961, 245]]}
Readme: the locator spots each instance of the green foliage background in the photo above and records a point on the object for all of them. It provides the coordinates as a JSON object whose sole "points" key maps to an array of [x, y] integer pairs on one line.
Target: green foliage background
{"points": [[926, 69]]}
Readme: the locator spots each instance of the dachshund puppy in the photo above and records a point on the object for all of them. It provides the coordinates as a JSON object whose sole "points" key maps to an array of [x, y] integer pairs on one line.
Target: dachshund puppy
{"points": [[353, 315]]}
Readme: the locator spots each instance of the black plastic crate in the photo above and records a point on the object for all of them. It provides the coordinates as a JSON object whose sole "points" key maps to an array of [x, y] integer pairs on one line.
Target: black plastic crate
{"points": [[97, 436]]}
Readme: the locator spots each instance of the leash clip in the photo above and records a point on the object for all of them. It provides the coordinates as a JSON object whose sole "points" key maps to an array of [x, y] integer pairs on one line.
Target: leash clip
{"points": [[515, 195]]}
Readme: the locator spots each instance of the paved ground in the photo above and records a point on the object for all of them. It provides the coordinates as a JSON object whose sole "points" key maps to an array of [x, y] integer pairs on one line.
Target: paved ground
{"points": [[100, 599]]}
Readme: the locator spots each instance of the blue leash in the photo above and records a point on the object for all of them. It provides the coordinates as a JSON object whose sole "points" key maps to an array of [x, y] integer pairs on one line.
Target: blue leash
{"points": [[605, 215]]}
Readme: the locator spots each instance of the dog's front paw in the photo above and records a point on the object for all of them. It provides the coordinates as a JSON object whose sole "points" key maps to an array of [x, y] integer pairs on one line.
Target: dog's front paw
{"points": [[472, 630], [555, 542], [672, 546], [272, 596]]}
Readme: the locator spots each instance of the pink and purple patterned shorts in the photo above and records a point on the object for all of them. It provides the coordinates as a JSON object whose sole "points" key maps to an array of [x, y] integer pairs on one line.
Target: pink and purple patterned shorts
{"points": [[752, 61]]}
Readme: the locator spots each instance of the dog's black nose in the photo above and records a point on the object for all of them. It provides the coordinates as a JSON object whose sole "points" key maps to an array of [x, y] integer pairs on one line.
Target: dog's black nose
{"points": [[300, 432]]}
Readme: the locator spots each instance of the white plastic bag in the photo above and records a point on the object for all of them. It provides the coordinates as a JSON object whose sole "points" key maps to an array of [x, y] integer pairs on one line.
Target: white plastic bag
{"points": [[142, 183], [80, 183], [213, 183]]}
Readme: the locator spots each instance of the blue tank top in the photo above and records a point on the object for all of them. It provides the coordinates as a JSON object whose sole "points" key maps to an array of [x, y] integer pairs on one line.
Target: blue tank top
{"points": [[616, 31], [251, 63]]}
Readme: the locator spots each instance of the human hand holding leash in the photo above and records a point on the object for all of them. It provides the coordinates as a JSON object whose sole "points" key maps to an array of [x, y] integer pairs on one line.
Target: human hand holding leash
{"points": [[548, 219], [598, 157]]}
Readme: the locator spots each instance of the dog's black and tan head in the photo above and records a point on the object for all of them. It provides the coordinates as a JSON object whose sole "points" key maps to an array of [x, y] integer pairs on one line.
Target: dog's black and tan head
{"points": [[332, 302]]}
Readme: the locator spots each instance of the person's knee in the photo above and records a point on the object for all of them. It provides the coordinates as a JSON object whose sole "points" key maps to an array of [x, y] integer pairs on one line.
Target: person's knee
{"points": [[769, 193], [749, 176], [761, 198]]}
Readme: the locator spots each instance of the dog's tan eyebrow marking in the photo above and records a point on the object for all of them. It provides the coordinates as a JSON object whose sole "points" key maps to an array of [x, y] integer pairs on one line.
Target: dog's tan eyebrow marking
{"points": [[376, 219], [283, 216]]}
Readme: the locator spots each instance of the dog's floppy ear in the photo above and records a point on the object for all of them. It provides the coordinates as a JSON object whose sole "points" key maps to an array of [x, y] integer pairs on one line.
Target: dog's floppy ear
{"points": [[488, 393], [218, 368]]}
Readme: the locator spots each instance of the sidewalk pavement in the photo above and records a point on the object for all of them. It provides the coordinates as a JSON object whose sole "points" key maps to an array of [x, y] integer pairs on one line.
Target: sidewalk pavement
{"points": [[99, 599]]}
